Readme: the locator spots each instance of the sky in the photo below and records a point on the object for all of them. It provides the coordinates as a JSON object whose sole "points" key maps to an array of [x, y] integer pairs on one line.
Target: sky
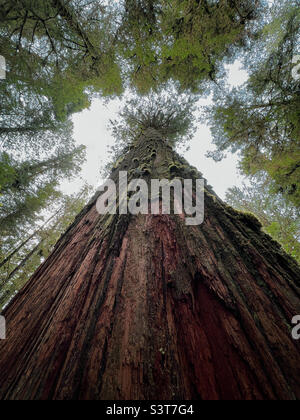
{"points": [[91, 130]]}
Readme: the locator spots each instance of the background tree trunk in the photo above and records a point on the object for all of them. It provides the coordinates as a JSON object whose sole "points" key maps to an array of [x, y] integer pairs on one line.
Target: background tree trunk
{"points": [[146, 307], [25, 242]]}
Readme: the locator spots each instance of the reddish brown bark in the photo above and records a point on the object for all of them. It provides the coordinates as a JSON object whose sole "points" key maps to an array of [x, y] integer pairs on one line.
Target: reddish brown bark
{"points": [[147, 308]]}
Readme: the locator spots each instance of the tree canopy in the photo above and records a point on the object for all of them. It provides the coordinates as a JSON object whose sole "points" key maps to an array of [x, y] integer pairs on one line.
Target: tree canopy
{"points": [[171, 115], [183, 40], [261, 120]]}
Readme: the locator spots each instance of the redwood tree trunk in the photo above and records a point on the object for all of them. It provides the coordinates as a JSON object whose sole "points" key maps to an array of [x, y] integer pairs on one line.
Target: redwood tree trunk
{"points": [[145, 307]]}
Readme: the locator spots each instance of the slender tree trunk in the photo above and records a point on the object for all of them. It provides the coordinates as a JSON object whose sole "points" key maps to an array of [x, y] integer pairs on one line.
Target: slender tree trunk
{"points": [[13, 253], [145, 307], [26, 258], [22, 263]]}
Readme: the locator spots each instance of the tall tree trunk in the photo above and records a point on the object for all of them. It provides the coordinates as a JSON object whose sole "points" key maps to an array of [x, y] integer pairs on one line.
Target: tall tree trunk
{"points": [[145, 307]]}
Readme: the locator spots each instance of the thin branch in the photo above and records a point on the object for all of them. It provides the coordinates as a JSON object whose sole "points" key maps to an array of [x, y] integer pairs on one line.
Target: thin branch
{"points": [[21, 31]]}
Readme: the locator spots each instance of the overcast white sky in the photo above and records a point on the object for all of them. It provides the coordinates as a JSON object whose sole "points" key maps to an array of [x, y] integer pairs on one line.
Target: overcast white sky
{"points": [[90, 129]]}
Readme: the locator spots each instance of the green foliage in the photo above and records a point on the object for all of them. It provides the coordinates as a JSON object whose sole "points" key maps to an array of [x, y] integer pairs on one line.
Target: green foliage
{"points": [[32, 185], [7, 171], [183, 40], [83, 47], [167, 112], [261, 119], [58, 45], [279, 219]]}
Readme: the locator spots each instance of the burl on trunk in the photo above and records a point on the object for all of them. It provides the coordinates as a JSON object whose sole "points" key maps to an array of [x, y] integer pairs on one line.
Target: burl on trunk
{"points": [[145, 307]]}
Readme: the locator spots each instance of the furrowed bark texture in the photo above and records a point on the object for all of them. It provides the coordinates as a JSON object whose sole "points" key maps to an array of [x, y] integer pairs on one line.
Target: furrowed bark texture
{"points": [[145, 307]]}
